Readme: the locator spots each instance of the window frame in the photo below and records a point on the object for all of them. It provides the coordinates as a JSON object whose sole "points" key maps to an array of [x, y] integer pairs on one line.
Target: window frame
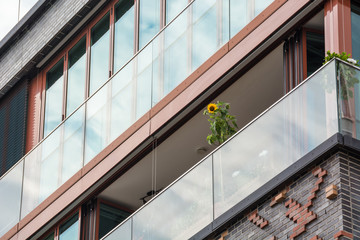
{"points": [[112, 204], [56, 227]]}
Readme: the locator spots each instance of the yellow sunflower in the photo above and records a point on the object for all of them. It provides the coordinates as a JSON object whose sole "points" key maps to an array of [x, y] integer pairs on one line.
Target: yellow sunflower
{"points": [[212, 107]]}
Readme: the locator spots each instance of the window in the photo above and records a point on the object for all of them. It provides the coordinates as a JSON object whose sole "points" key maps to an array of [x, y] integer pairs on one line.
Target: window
{"points": [[149, 20], [315, 50], [110, 215], [112, 39], [124, 44], [54, 97], [173, 8], [76, 76], [100, 49], [67, 229], [65, 85], [355, 30]]}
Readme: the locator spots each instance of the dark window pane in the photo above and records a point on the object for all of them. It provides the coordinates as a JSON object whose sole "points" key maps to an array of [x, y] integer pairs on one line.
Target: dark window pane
{"points": [[70, 229], [315, 51], [100, 48], [109, 218], [149, 20], [173, 8], [54, 97], [13, 114], [76, 76], [124, 33]]}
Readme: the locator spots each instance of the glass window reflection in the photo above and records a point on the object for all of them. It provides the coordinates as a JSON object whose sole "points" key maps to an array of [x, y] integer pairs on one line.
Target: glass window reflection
{"points": [[70, 229], [100, 49], [124, 33], [54, 97], [76, 76], [149, 20]]}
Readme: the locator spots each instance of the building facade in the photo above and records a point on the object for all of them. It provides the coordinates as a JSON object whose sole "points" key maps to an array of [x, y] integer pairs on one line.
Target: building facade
{"points": [[104, 137]]}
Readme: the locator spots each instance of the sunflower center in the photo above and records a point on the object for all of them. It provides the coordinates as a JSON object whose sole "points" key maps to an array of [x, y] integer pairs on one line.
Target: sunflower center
{"points": [[212, 108]]}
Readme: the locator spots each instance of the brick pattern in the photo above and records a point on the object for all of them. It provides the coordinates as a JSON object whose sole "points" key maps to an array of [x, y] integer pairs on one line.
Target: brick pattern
{"points": [[316, 237], [349, 192], [256, 219], [301, 214], [343, 235], [306, 194]]}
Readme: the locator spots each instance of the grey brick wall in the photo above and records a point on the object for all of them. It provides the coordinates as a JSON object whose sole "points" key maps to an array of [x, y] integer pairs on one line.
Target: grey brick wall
{"points": [[332, 216], [36, 37]]}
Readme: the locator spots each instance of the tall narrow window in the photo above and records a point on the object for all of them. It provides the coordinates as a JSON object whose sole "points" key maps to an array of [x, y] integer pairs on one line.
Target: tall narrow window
{"points": [[100, 49], [315, 51], [149, 20], [70, 229], [355, 30], [76, 76], [54, 97], [124, 33], [109, 217]]}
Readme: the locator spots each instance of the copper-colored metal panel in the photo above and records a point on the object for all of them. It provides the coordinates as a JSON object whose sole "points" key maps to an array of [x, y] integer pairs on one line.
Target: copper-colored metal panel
{"points": [[34, 113], [10, 233], [337, 24]]}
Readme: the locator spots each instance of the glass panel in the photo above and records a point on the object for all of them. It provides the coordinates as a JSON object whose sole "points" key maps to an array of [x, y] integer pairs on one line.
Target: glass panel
{"points": [[173, 8], [175, 53], [243, 11], [54, 97], [143, 81], [185, 208], [276, 140], [122, 105], [315, 50], [355, 30], [97, 123], [10, 192], [123, 232], [349, 97], [149, 20], [73, 145], [76, 76], [70, 229], [109, 218], [42, 174], [100, 49], [207, 30], [260, 5], [124, 33]]}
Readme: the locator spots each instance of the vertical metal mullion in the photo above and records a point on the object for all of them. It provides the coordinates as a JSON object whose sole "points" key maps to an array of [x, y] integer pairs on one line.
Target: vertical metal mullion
{"points": [[137, 22]]}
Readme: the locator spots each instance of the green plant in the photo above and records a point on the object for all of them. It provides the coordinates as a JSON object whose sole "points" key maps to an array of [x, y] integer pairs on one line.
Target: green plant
{"points": [[346, 75], [222, 124], [343, 56]]}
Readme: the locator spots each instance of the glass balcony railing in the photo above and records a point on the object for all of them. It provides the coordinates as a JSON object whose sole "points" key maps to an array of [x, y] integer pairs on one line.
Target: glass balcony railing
{"points": [[202, 28], [324, 104]]}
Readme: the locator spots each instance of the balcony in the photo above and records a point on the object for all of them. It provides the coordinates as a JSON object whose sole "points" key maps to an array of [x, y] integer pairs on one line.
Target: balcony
{"points": [[169, 58], [324, 104]]}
